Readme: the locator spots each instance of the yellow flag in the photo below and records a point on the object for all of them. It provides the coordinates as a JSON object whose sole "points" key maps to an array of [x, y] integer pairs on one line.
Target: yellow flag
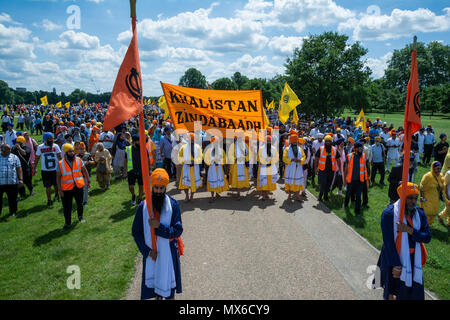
{"points": [[163, 106], [288, 102], [81, 102], [67, 104], [7, 110], [361, 121], [59, 104], [266, 120], [295, 116], [44, 101], [271, 105], [267, 104]]}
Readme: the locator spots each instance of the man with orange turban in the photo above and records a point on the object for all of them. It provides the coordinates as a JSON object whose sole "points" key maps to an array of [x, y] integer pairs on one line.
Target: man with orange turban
{"points": [[403, 253], [190, 156], [161, 273], [267, 177], [294, 157]]}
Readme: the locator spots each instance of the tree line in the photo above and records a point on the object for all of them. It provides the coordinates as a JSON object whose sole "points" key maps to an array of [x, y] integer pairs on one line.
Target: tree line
{"points": [[328, 74]]}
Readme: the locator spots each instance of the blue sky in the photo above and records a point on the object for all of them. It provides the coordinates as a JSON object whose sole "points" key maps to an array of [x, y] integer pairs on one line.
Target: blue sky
{"points": [[42, 46]]}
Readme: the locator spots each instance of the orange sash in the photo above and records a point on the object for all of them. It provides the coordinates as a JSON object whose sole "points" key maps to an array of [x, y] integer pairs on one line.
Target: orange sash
{"points": [[178, 240]]}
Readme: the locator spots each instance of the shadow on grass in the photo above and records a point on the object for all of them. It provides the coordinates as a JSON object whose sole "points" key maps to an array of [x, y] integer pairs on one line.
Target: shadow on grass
{"points": [[97, 192], [354, 220], [38, 208], [46, 238], [126, 212], [440, 235]]}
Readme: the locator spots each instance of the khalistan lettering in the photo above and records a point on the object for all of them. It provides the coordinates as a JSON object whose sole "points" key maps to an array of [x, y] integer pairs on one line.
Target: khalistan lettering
{"points": [[231, 105]]}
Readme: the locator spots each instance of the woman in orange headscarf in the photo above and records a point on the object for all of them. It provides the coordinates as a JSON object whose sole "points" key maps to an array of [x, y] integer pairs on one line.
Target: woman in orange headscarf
{"points": [[93, 138]]}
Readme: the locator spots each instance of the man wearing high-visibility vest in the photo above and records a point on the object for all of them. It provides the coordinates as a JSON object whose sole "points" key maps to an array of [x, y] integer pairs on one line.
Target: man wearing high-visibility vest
{"points": [[151, 149], [355, 176], [70, 176], [325, 163]]}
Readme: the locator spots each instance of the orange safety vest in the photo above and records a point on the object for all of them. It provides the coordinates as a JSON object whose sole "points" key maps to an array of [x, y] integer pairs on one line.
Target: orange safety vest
{"points": [[323, 158], [150, 153], [362, 168], [71, 176]]}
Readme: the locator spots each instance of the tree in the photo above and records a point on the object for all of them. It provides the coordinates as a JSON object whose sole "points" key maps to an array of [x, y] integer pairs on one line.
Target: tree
{"points": [[6, 94], [328, 74], [193, 78], [239, 79], [77, 95], [433, 63], [224, 84]]}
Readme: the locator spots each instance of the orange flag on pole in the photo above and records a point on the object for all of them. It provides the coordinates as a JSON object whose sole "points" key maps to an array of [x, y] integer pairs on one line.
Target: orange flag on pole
{"points": [[126, 97], [412, 124], [127, 102]]}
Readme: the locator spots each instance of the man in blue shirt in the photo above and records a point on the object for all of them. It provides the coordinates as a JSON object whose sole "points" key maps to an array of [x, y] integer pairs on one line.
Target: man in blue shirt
{"points": [[378, 159], [428, 144], [166, 152], [11, 178]]}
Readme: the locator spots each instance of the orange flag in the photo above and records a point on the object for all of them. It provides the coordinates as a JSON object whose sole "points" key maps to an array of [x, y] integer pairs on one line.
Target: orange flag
{"points": [[412, 124], [126, 97]]}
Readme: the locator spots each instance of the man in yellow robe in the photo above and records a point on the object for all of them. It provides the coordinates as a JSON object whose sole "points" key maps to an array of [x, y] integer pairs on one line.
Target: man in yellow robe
{"points": [[215, 158], [237, 156], [268, 158], [190, 157], [294, 157]]}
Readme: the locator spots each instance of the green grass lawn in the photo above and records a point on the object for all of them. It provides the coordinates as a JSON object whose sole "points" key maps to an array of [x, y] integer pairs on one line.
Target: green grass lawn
{"points": [[437, 269], [440, 122], [34, 255]]}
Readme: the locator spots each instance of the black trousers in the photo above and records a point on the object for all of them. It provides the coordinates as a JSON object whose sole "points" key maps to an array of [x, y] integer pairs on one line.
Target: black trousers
{"points": [[11, 191], [27, 181], [354, 187], [325, 178], [427, 152], [168, 166], [377, 167], [67, 204]]}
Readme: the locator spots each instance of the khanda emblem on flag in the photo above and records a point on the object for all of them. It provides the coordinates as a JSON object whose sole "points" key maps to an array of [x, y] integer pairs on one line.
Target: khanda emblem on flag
{"points": [[286, 98], [133, 82], [417, 104]]}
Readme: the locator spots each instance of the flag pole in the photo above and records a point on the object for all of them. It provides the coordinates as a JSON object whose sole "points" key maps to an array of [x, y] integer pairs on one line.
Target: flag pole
{"points": [[406, 155], [142, 145]]}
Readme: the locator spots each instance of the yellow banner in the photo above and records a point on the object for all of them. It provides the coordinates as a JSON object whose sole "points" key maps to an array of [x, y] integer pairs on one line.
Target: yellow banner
{"points": [[219, 109]]}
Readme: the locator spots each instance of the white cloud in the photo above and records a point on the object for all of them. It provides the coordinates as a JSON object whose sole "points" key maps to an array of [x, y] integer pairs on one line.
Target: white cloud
{"points": [[96, 1], [47, 25], [400, 23], [283, 46], [200, 30], [297, 14], [4, 17], [378, 65]]}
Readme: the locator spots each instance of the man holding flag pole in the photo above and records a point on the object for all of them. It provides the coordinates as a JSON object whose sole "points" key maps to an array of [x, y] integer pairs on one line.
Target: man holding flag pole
{"points": [[157, 225], [404, 224]]}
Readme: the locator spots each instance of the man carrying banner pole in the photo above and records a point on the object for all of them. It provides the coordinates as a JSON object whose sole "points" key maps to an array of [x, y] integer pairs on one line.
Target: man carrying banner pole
{"points": [[404, 225]]}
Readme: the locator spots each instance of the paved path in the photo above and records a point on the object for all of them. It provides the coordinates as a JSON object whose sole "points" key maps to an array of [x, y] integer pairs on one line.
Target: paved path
{"points": [[253, 249]]}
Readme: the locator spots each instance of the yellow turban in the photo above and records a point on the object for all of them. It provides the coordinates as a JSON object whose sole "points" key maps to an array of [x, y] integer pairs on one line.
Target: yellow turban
{"points": [[159, 177], [328, 138], [411, 188], [67, 147], [20, 139]]}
